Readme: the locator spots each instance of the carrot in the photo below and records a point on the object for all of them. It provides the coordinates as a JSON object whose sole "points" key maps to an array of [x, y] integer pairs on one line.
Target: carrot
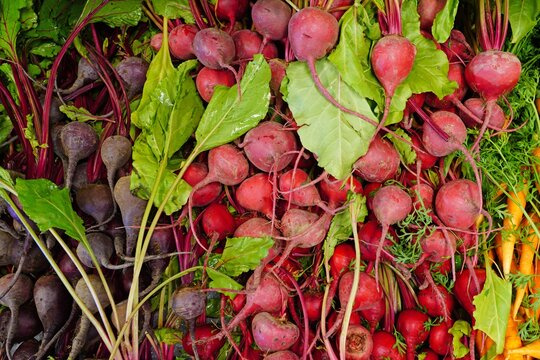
{"points": [[532, 349], [528, 249], [483, 343], [515, 204], [512, 340]]}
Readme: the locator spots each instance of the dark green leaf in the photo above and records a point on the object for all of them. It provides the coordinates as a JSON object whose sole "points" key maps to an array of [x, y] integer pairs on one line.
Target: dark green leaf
{"points": [[222, 281], [11, 17], [338, 139], [458, 330], [493, 308], [115, 13], [227, 117], [174, 9], [524, 14], [49, 207], [351, 56], [46, 49], [430, 69], [340, 228], [244, 254], [444, 21], [406, 152]]}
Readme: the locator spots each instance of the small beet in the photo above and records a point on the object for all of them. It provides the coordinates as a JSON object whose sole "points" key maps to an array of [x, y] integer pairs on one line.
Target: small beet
{"points": [[272, 334], [214, 48], [181, 41], [95, 200], [132, 209], [188, 303], [79, 141], [271, 18], [86, 73], [133, 71]]}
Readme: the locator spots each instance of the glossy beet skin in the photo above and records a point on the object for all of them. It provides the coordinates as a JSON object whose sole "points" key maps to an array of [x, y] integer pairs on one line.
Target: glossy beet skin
{"points": [[181, 41], [380, 163], [312, 33], [392, 60], [457, 203], [493, 73], [207, 79]]}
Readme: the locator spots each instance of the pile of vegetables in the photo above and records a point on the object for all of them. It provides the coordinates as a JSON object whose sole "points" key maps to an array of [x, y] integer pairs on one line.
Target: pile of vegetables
{"points": [[277, 179]]}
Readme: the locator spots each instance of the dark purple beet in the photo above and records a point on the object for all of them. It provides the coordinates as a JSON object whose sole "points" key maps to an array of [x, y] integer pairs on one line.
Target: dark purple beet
{"points": [[79, 141], [133, 71]]}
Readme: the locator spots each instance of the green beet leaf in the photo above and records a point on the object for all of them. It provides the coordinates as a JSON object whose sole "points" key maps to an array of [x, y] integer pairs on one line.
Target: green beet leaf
{"points": [[444, 21], [493, 308], [406, 152], [222, 281], [243, 254], [174, 9], [14, 16], [524, 14], [430, 69], [49, 207], [227, 117], [168, 114], [340, 228], [351, 56], [458, 330], [115, 13], [338, 139]]}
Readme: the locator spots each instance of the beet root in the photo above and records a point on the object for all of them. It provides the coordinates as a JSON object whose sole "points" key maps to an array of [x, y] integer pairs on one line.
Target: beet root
{"points": [[272, 334]]}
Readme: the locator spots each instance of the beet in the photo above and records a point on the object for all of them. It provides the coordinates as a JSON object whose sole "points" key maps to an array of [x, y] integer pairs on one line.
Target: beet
{"points": [[86, 73], [95, 200], [132, 209], [384, 347], [181, 41], [79, 141], [359, 344], [207, 79], [132, 70], [458, 203], [273, 334], [195, 173], [214, 48], [271, 18], [380, 163], [412, 325], [269, 146]]}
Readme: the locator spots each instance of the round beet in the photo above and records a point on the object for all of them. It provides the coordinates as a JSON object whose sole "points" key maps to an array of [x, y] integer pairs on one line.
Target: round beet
{"points": [[412, 325], [478, 107], [156, 41], [428, 9], [181, 41], [133, 71], [312, 33], [452, 125], [273, 334], [493, 73], [217, 219], [207, 79], [436, 301], [380, 163], [188, 303], [457, 203], [269, 146], [79, 141], [384, 347], [359, 343], [271, 18], [214, 48], [195, 173]]}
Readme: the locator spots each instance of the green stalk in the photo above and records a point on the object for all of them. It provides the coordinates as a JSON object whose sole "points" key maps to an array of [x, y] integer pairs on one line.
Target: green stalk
{"points": [[107, 339], [354, 287]]}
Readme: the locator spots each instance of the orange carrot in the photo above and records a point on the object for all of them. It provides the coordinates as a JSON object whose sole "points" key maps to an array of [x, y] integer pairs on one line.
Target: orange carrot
{"points": [[526, 260], [483, 343], [515, 204], [512, 340], [532, 349]]}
